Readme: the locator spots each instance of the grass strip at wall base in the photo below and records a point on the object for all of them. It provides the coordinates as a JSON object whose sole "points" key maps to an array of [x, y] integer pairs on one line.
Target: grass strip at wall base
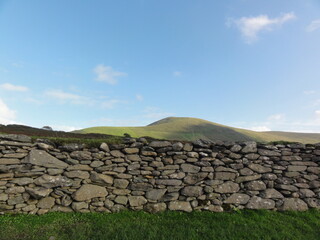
{"points": [[168, 225]]}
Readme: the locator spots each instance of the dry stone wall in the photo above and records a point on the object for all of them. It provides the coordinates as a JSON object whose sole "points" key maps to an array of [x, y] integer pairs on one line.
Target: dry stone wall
{"points": [[38, 177]]}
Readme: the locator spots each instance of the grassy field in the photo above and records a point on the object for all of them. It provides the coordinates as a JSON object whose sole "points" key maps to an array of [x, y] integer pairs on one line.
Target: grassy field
{"points": [[167, 225], [189, 129]]}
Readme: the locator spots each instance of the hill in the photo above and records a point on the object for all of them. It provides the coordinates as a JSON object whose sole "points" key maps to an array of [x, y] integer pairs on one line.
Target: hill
{"points": [[189, 129]]}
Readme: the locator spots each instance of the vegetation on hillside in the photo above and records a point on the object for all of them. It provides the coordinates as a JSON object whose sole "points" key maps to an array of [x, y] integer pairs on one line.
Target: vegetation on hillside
{"points": [[189, 129]]}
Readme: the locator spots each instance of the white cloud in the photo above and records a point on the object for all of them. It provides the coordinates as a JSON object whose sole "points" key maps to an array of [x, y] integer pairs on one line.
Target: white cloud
{"points": [[260, 128], [67, 97], [11, 87], [107, 74], [277, 117], [7, 116], [177, 73], [250, 27], [139, 97], [314, 25]]}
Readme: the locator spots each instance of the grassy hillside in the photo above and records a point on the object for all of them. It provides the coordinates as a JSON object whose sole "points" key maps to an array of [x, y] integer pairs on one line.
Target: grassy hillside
{"points": [[188, 129]]}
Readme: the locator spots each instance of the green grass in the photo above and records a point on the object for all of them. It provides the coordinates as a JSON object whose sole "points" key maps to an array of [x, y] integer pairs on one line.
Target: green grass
{"points": [[189, 129], [167, 225]]}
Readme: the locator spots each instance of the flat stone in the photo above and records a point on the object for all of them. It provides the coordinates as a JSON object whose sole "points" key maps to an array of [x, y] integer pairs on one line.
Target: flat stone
{"points": [[178, 146], [271, 193], [15, 155], [81, 155], [169, 182], [256, 186], [48, 181], [22, 181], [16, 137], [155, 207], [247, 178], [136, 201], [260, 203], [81, 167], [77, 206], [155, 194], [193, 178], [269, 153], [101, 178], [120, 183], [159, 144], [227, 187], [259, 169], [117, 154], [9, 161], [250, 147], [3, 197], [131, 150], [293, 204], [89, 191], [292, 168], [237, 198], [15, 190], [140, 186], [189, 168], [306, 193], [225, 175], [77, 174], [121, 200], [38, 192], [180, 206], [42, 158], [47, 202], [192, 191]]}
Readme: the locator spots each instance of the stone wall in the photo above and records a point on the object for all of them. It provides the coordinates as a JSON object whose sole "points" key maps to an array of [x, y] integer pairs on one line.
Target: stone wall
{"points": [[39, 177]]}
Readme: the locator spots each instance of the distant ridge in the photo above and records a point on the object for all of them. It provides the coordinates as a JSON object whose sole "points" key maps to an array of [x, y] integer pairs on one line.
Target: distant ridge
{"points": [[189, 129]]}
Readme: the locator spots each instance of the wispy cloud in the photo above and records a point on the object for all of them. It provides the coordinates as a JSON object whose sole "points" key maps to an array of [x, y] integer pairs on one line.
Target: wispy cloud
{"points": [[7, 115], [177, 74], [139, 97], [107, 74], [67, 97], [309, 92], [277, 117], [313, 26], [260, 128], [11, 87], [250, 27]]}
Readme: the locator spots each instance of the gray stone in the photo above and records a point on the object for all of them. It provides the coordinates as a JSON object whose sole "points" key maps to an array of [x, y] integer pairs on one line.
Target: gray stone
{"points": [[140, 186], [169, 182], [38, 192], [71, 147], [306, 193], [192, 191], [189, 168], [3, 197], [101, 178], [247, 178], [293, 204], [9, 161], [180, 206], [269, 153], [77, 206], [136, 201], [48, 181], [227, 187], [259, 169], [15, 190], [155, 207], [213, 208], [159, 144], [81, 155], [237, 198], [121, 200], [89, 191], [155, 194], [250, 147], [260, 203], [23, 181], [16, 200], [256, 186], [42, 158], [292, 168], [104, 147], [120, 183], [77, 174], [195, 178], [47, 202], [271, 193], [117, 154], [225, 175], [235, 148], [178, 146]]}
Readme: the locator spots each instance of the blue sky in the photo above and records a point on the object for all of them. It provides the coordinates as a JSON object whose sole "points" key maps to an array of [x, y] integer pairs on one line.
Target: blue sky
{"points": [[246, 63]]}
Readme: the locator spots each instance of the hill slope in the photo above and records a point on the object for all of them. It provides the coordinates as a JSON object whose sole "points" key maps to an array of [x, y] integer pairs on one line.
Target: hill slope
{"points": [[188, 129]]}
